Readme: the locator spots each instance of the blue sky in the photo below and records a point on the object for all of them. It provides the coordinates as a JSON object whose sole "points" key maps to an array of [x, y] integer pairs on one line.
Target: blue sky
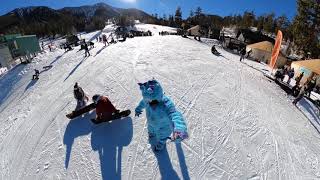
{"points": [[219, 7]]}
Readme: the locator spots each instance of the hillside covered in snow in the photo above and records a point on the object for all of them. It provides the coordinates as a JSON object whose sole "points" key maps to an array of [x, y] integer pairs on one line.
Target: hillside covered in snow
{"points": [[241, 125]]}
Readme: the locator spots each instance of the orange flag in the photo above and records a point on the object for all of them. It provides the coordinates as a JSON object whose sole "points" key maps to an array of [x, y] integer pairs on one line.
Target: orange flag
{"points": [[276, 50]]}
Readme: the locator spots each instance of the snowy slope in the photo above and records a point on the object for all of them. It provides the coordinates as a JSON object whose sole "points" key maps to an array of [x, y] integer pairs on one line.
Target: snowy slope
{"points": [[241, 126]]}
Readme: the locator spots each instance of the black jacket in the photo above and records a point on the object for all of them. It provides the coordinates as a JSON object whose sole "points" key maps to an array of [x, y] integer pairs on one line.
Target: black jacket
{"points": [[78, 93]]}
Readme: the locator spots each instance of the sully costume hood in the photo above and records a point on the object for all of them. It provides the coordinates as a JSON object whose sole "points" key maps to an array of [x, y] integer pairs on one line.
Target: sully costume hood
{"points": [[151, 91]]}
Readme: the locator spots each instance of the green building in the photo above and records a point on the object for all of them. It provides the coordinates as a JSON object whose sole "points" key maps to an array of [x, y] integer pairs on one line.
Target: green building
{"points": [[23, 47]]}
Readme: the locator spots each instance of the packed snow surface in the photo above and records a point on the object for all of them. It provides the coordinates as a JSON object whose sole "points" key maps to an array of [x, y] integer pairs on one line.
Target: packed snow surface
{"points": [[241, 125]]}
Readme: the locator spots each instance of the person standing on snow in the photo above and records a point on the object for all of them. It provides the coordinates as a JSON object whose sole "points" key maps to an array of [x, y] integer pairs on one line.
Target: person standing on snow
{"points": [[104, 108], [311, 85], [80, 96], [290, 75], [298, 79], [86, 49], [301, 94], [242, 53]]}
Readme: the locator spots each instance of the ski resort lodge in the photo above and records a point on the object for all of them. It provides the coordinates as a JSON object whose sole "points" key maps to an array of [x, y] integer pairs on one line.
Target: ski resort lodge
{"points": [[15, 46]]}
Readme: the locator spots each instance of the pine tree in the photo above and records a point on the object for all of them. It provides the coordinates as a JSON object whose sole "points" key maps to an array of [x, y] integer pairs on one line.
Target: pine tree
{"points": [[248, 19], [268, 24], [178, 17], [198, 11], [191, 13], [306, 27], [260, 23]]}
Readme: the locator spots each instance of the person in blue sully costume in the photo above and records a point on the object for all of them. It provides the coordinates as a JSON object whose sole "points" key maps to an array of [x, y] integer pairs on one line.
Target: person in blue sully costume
{"points": [[162, 116]]}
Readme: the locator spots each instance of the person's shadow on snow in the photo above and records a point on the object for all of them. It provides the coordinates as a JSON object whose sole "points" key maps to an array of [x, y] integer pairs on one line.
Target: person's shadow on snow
{"points": [[109, 140], [77, 127], [165, 166], [106, 138]]}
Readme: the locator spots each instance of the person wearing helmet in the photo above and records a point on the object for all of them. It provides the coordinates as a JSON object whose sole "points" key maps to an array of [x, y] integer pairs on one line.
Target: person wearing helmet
{"points": [[104, 108], [80, 96]]}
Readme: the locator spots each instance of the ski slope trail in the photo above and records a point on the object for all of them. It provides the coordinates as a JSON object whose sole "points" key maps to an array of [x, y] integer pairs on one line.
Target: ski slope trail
{"points": [[241, 126]]}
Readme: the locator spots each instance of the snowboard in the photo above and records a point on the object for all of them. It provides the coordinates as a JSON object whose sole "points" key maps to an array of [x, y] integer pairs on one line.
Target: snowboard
{"points": [[116, 116], [81, 111]]}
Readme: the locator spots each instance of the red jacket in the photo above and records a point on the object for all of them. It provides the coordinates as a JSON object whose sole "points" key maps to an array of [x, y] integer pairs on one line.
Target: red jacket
{"points": [[104, 108]]}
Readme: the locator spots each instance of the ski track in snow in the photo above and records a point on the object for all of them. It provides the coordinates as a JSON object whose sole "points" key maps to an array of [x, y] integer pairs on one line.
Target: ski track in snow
{"points": [[241, 126]]}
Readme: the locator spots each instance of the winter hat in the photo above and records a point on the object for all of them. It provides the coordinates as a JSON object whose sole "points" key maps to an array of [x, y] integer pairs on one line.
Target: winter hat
{"points": [[76, 86], [95, 98]]}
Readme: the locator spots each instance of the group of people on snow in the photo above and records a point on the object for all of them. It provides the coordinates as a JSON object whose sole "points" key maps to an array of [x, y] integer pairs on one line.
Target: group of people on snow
{"points": [[163, 119], [298, 89]]}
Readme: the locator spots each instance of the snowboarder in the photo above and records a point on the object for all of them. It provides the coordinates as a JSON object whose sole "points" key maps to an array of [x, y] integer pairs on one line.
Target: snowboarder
{"points": [[36, 74], [80, 96], [104, 108], [242, 53], [214, 50], [162, 116], [86, 49]]}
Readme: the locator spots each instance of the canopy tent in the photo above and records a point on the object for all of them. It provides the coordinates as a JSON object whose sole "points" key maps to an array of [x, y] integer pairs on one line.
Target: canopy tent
{"points": [[194, 31], [264, 46], [313, 65], [262, 52]]}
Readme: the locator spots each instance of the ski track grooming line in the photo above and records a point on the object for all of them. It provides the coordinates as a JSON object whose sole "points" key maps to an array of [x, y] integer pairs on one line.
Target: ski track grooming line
{"points": [[193, 102], [280, 143], [43, 131], [136, 151], [54, 101]]}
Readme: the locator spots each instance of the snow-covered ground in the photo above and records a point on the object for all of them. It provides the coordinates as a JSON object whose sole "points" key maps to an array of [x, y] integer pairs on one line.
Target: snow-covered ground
{"points": [[241, 125]]}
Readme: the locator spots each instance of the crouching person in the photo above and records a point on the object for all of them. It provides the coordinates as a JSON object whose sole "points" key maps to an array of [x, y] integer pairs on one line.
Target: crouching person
{"points": [[104, 109]]}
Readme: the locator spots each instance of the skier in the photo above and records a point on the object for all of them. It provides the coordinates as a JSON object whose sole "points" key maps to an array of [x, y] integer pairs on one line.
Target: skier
{"points": [[104, 108], [162, 116], [86, 49], [36, 74], [80, 96], [242, 53]]}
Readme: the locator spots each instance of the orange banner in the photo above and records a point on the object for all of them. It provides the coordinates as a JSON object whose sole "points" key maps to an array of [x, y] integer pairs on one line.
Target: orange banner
{"points": [[276, 50]]}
